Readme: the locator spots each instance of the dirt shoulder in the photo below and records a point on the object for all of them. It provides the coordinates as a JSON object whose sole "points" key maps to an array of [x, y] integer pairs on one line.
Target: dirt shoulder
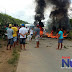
{"points": [[6, 57]]}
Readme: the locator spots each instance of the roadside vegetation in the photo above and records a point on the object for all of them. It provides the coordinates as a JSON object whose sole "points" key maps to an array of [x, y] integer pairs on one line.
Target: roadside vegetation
{"points": [[6, 19], [8, 58], [15, 57]]}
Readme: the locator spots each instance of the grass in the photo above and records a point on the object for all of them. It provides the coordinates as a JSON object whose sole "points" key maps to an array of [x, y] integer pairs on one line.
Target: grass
{"points": [[0, 42], [0, 46], [0, 38], [65, 47], [0, 62], [13, 61], [13, 71], [15, 57]]}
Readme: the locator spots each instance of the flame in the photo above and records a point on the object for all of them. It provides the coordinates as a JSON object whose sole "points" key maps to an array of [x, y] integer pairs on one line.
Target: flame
{"points": [[64, 34], [41, 32], [55, 36]]}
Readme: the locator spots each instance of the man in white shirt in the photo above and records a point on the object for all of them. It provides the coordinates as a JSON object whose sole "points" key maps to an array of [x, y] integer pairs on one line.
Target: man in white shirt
{"points": [[22, 32]]}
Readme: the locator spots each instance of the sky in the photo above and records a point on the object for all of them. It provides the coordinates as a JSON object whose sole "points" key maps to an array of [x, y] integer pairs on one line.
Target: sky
{"points": [[21, 9]]}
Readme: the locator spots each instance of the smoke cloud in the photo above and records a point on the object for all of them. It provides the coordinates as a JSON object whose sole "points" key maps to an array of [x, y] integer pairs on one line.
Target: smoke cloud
{"points": [[40, 9], [59, 13]]}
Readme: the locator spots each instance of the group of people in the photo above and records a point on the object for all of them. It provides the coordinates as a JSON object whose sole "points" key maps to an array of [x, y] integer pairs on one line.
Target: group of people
{"points": [[14, 33], [11, 35]]}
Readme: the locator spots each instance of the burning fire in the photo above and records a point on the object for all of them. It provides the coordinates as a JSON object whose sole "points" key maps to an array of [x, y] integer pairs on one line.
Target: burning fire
{"points": [[55, 36]]}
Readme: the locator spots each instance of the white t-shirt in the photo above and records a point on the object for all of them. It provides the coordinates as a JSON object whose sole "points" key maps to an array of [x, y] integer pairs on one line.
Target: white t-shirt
{"points": [[29, 37], [26, 29], [31, 31], [22, 30]]}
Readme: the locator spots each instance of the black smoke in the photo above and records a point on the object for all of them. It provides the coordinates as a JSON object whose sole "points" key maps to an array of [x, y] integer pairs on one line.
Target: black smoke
{"points": [[40, 10], [59, 14]]}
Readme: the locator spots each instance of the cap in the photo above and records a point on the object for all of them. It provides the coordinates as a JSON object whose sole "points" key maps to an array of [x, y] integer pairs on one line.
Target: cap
{"points": [[22, 25], [10, 25]]}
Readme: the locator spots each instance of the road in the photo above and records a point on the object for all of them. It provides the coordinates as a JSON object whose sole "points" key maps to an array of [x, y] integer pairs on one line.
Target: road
{"points": [[44, 59]]}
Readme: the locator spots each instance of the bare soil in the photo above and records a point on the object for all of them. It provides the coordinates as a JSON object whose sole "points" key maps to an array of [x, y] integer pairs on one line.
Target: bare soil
{"points": [[5, 55]]}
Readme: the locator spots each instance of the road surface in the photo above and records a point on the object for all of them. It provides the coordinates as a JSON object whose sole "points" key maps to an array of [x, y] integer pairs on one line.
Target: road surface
{"points": [[44, 59]]}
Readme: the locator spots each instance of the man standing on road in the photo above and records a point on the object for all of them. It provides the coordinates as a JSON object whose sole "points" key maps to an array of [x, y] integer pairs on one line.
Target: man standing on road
{"points": [[60, 38], [22, 32], [37, 35], [15, 34], [10, 36]]}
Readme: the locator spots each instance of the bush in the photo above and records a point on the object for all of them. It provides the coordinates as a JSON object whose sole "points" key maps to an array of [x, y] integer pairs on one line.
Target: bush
{"points": [[15, 57]]}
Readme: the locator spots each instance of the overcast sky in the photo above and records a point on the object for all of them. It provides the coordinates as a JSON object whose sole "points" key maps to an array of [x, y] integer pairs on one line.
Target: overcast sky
{"points": [[21, 9]]}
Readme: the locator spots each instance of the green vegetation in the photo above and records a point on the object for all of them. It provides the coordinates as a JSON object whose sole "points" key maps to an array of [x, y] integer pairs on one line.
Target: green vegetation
{"points": [[6, 19], [70, 33], [15, 57], [13, 71], [65, 47], [0, 44], [71, 22]]}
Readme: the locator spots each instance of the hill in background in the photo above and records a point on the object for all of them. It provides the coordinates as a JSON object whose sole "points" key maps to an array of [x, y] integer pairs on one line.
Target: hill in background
{"points": [[6, 19]]}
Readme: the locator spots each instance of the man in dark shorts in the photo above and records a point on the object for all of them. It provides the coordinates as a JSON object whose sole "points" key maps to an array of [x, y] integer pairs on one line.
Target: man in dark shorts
{"points": [[37, 35], [22, 32], [10, 36], [60, 38]]}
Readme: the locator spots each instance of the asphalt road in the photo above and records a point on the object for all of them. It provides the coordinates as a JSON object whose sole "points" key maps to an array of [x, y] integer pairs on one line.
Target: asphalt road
{"points": [[44, 59]]}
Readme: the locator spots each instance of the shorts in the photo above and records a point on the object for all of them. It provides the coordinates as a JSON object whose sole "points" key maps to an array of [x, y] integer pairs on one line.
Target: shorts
{"points": [[37, 38], [60, 41], [31, 34], [17, 39], [22, 40], [14, 39], [10, 41]]}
